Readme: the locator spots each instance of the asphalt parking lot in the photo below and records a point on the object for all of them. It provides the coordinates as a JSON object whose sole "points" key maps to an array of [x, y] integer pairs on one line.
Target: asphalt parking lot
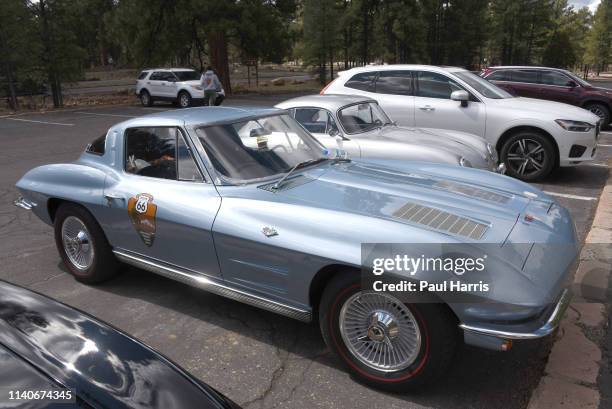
{"points": [[259, 359]]}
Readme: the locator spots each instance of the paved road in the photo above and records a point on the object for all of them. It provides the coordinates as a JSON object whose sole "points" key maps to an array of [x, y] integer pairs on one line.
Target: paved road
{"points": [[259, 359]]}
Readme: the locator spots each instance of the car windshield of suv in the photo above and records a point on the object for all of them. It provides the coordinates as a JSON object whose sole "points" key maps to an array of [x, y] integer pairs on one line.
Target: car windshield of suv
{"points": [[362, 117], [187, 75], [260, 148], [482, 86]]}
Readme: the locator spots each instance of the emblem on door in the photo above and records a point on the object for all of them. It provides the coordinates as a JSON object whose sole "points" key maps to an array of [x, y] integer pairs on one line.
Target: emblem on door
{"points": [[142, 212]]}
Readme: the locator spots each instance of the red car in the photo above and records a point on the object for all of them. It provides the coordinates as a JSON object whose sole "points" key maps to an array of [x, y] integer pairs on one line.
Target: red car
{"points": [[554, 84]]}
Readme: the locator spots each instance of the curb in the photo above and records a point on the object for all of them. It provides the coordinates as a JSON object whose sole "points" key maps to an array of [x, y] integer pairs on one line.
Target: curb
{"points": [[570, 378]]}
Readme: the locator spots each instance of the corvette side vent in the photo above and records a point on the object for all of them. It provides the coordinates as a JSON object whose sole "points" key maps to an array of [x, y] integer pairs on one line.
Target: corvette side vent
{"points": [[441, 220], [472, 192], [287, 184]]}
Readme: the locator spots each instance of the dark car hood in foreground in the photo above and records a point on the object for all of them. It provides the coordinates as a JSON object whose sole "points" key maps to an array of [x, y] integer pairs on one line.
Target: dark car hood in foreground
{"points": [[61, 345]]}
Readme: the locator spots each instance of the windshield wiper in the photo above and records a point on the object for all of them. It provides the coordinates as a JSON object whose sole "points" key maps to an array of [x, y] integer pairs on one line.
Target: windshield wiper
{"points": [[298, 165]]}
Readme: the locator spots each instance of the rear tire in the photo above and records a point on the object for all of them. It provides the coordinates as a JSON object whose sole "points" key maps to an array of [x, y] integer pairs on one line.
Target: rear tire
{"points": [[602, 112], [434, 336], [145, 98], [83, 246], [529, 156], [184, 99]]}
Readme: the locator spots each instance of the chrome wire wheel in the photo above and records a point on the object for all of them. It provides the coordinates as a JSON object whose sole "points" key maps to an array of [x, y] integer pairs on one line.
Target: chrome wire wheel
{"points": [[77, 243], [526, 157], [380, 331]]}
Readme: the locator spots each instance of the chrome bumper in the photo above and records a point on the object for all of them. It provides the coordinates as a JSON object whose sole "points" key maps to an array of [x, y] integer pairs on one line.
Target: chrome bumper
{"points": [[544, 330], [24, 203]]}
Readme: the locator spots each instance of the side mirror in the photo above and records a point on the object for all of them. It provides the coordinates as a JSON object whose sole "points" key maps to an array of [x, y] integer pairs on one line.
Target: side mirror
{"points": [[460, 95], [571, 84], [333, 131]]}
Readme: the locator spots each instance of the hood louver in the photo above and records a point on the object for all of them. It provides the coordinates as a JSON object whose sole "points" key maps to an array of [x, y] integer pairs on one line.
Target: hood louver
{"points": [[473, 192], [441, 220]]}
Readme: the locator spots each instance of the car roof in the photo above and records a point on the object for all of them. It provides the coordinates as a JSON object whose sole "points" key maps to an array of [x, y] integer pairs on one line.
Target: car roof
{"points": [[395, 67], [327, 101], [199, 116], [168, 69], [523, 67]]}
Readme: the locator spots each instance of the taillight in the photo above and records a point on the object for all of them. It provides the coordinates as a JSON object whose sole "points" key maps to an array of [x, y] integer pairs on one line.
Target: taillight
{"points": [[327, 86]]}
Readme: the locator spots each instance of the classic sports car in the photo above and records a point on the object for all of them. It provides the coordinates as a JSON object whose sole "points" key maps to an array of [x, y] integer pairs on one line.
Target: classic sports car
{"points": [[360, 126], [247, 204], [78, 361]]}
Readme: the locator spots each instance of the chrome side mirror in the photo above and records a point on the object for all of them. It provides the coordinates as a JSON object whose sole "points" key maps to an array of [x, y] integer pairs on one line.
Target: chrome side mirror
{"points": [[460, 95]]}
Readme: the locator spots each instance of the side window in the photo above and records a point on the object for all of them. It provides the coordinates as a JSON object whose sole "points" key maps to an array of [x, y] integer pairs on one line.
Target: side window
{"points": [[434, 85], [394, 82], [554, 78], [143, 75], [157, 76], [315, 120], [97, 147], [526, 76], [168, 76], [151, 152], [363, 81], [187, 168], [500, 75]]}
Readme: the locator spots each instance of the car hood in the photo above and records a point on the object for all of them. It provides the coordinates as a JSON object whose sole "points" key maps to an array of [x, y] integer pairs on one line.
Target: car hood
{"points": [[98, 361], [543, 109], [375, 190]]}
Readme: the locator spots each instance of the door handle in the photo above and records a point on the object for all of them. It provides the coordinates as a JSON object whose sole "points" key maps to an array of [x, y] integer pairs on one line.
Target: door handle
{"points": [[427, 108], [110, 197]]}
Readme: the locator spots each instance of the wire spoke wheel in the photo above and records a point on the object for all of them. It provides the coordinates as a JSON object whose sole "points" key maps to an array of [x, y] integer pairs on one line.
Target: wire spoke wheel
{"points": [[380, 331], [526, 156], [77, 243]]}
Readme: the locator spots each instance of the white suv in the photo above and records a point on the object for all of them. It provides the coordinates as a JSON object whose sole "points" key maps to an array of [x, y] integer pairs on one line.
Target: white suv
{"points": [[531, 136], [180, 85]]}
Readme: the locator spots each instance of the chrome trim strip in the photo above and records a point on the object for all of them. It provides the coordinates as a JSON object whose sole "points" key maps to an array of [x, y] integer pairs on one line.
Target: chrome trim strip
{"points": [[205, 283], [546, 329], [24, 204]]}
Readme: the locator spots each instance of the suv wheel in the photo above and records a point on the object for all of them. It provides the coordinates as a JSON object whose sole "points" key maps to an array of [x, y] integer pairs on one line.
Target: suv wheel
{"points": [[601, 111], [528, 156], [384, 342], [145, 98], [83, 245], [184, 99]]}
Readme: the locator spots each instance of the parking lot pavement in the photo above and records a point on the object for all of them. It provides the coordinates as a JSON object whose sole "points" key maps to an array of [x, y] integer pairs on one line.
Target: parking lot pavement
{"points": [[258, 359]]}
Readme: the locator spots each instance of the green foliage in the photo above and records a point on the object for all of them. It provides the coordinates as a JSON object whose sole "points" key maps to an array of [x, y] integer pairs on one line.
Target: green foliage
{"points": [[599, 39]]}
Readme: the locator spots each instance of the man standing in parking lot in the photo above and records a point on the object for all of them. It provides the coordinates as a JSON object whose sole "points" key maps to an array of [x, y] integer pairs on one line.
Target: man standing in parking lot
{"points": [[210, 85]]}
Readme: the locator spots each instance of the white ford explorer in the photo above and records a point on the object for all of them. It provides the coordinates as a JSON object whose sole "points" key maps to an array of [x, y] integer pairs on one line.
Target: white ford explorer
{"points": [[180, 85], [532, 136]]}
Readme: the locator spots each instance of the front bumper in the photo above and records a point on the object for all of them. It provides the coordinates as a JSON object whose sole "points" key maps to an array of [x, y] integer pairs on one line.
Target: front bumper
{"points": [[493, 338], [24, 203]]}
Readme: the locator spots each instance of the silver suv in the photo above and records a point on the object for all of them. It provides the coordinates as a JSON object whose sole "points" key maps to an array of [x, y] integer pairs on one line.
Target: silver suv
{"points": [[180, 85]]}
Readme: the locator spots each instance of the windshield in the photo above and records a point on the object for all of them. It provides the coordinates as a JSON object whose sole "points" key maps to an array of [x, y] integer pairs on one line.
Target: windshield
{"points": [[187, 75], [258, 148], [362, 117], [482, 86], [577, 79]]}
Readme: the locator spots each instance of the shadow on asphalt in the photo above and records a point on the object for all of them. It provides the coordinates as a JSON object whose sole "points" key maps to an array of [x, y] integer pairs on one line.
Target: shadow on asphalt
{"points": [[476, 378]]}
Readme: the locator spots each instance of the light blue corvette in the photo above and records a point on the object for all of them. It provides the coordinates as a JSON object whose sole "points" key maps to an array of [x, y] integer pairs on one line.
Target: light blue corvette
{"points": [[246, 204]]}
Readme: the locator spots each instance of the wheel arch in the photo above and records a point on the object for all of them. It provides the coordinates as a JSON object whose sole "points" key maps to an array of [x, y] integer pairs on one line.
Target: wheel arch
{"points": [[590, 101], [508, 133]]}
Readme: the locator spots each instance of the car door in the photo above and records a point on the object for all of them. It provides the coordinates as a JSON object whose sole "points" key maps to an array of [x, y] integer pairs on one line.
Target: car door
{"points": [[556, 86], [526, 83], [321, 124], [435, 109], [168, 85], [154, 83], [159, 205], [395, 95]]}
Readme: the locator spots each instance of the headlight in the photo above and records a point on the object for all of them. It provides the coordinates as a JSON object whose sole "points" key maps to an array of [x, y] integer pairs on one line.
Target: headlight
{"points": [[199, 88], [465, 163], [574, 126]]}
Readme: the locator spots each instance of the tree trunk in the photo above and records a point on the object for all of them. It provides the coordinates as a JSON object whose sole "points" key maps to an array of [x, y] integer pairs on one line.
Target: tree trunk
{"points": [[11, 86], [217, 44]]}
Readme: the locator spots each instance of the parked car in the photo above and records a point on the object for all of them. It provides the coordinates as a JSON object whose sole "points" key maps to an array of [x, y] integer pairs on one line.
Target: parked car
{"points": [[78, 361], [245, 203], [532, 137], [361, 127], [179, 85], [554, 84]]}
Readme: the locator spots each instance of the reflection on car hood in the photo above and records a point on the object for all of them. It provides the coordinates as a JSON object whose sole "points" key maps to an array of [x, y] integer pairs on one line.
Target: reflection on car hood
{"points": [[547, 108], [104, 365]]}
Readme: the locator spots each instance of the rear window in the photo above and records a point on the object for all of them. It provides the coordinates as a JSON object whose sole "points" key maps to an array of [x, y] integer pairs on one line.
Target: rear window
{"points": [[187, 75], [363, 81], [143, 75], [97, 146]]}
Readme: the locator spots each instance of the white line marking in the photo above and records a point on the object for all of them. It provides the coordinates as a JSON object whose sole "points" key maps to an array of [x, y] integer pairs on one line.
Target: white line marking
{"points": [[604, 145], [600, 165], [93, 113], [568, 196], [38, 122]]}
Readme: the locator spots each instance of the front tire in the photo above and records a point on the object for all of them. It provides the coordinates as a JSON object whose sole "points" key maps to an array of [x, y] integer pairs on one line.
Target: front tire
{"points": [[602, 112], [528, 156], [184, 99], [382, 341], [83, 246], [145, 98]]}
